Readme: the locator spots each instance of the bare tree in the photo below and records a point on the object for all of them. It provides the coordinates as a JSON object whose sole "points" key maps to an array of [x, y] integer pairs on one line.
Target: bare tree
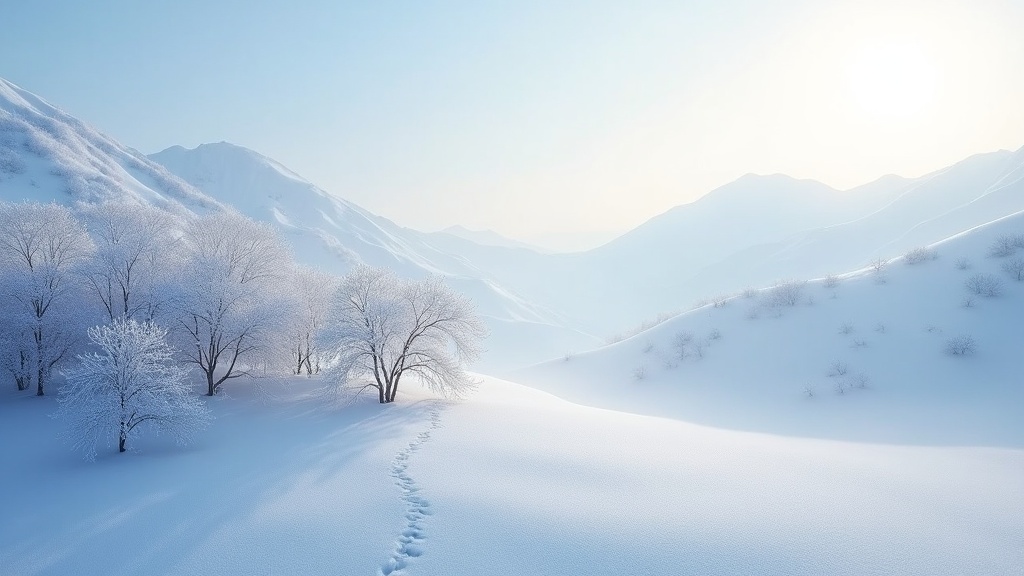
{"points": [[232, 301], [42, 247], [133, 384], [381, 328], [314, 290], [134, 258]]}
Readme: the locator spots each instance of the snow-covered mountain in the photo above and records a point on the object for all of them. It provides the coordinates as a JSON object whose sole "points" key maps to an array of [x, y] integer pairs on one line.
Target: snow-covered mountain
{"points": [[863, 357], [538, 306], [332, 233], [756, 230], [48, 155]]}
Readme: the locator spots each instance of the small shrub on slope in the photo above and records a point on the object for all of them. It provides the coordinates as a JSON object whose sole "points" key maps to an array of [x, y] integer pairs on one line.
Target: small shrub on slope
{"points": [[960, 346], [919, 255], [985, 285], [1015, 268]]}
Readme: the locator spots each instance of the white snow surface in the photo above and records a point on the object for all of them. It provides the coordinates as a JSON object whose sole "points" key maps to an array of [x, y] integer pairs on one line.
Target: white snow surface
{"points": [[510, 481], [773, 369]]}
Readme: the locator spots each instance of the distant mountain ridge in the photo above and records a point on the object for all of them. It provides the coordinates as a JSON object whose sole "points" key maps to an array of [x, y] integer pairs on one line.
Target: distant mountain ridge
{"points": [[488, 238], [747, 233]]}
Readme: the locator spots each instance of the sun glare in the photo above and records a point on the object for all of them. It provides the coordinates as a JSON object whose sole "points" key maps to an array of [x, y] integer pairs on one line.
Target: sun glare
{"points": [[892, 80]]}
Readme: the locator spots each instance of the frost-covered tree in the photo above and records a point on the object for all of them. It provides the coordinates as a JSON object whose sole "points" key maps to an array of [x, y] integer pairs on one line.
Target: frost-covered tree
{"points": [[42, 247], [313, 290], [232, 301], [381, 328], [134, 260], [133, 384]]}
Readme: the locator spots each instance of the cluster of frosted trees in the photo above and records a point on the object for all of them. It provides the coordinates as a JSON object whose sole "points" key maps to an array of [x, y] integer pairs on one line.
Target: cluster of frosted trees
{"points": [[208, 298]]}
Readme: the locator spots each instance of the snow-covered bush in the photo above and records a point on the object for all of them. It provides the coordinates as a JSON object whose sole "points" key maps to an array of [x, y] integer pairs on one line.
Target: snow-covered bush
{"points": [[784, 294], [133, 384], [838, 368], [681, 343], [830, 281], [1015, 268], [846, 329], [962, 263], [985, 285], [1006, 245], [919, 255], [960, 346]]}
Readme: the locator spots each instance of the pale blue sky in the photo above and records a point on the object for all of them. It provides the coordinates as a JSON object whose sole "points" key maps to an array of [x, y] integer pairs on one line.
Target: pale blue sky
{"points": [[537, 119]]}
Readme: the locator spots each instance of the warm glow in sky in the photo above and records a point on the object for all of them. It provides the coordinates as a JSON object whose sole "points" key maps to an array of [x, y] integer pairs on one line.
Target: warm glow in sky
{"points": [[544, 121]]}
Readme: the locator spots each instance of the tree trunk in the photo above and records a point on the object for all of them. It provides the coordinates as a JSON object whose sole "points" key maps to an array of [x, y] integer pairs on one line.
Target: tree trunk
{"points": [[40, 373], [123, 437], [211, 387]]}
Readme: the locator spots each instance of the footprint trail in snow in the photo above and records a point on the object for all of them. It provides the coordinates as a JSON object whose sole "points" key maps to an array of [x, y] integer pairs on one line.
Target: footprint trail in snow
{"points": [[410, 542]]}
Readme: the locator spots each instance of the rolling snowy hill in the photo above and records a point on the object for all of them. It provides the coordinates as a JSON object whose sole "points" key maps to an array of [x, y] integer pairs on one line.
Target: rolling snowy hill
{"points": [[764, 228], [859, 357], [867, 423]]}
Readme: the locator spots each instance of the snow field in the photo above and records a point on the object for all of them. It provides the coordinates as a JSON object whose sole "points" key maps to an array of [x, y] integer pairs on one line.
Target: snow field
{"points": [[524, 483], [281, 483]]}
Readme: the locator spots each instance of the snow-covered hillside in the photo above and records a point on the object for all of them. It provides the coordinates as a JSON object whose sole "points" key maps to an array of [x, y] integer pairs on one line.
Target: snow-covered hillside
{"points": [[538, 306], [858, 357], [48, 155], [332, 233], [757, 230]]}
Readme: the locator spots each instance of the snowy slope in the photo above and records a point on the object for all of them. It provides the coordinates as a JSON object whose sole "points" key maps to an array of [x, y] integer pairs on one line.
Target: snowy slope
{"points": [[760, 229], [773, 368], [487, 238], [48, 155], [334, 234], [510, 482]]}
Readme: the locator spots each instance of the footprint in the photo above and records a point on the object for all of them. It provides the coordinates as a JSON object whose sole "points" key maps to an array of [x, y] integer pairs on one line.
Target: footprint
{"points": [[409, 543]]}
